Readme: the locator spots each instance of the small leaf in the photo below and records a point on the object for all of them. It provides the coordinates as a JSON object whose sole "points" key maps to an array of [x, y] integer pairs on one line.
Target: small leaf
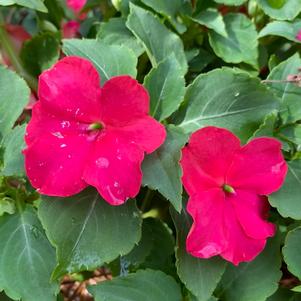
{"points": [[229, 99], [161, 169], [200, 276], [95, 232], [7, 205], [110, 60], [166, 86], [158, 41], [34, 4], [27, 258], [231, 2], [14, 95], [241, 43], [146, 285], [292, 251]]}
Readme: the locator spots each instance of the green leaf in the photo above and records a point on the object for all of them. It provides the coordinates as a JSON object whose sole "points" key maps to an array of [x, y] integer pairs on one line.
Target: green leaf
{"points": [[289, 93], [292, 251], [281, 294], [40, 53], [287, 199], [288, 30], [110, 60], [146, 285], [158, 41], [266, 129], [27, 258], [166, 86], [13, 161], [229, 99], [170, 10], [254, 280], [212, 19], [200, 276], [281, 10], [114, 32], [7, 205], [292, 133], [14, 95], [161, 169], [241, 43], [34, 4], [231, 2], [94, 231]]}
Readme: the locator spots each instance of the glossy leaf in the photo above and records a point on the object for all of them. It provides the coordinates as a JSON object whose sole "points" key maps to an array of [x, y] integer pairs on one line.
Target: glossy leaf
{"points": [[95, 232], [34, 4], [231, 2]]}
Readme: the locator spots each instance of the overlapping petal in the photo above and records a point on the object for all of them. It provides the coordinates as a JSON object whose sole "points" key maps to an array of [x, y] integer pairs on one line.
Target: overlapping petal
{"points": [[76, 5]]}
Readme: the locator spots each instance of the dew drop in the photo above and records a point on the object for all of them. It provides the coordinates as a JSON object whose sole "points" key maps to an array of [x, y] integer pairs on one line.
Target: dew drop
{"points": [[58, 135], [65, 124], [237, 94], [63, 145], [69, 156], [102, 162]]}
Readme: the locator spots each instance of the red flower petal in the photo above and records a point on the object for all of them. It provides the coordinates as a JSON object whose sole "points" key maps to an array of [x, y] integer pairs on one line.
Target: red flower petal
{"points": [[71, 89], [123, 101], [207, 237], [114, 168], [251, 211], [259, 167], [76, 5]]}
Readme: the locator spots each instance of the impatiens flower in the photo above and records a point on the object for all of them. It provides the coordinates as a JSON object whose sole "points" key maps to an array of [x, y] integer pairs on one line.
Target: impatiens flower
{"points": [[76, 5], [298, 37], [81, 134], [227, 184]]}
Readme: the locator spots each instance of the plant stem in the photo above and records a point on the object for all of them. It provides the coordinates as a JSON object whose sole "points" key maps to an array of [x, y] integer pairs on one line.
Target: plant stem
{"points": [[147, 199]]}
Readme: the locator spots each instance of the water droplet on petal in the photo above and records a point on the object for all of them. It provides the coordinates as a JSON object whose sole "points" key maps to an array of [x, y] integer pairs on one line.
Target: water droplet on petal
{"points": [[102, 162], [65, 124], [58, 135], [63, 145]]}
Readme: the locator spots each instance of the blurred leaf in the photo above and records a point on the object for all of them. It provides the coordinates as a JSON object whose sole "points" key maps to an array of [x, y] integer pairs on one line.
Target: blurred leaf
{"points": [[34, 4], [201, 61], [146, 285], [281, 9], [55, 12], [114, 32], [110, 60], [14, 95], [88, 232], [229, 99], [166, 86], [161, 169], [158, 41], [212, 19], [13, 161], [27, 258], [254, 280], [7, 205], [231, 2], [288, 30], [200, 276], [241, 43]]}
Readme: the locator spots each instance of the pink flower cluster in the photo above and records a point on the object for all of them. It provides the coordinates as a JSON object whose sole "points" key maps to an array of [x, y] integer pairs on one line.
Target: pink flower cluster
{"points": [[82, 134]]}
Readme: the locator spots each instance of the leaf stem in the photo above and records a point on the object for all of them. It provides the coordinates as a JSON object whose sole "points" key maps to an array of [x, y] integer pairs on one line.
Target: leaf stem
{"points": [[147, 199]]}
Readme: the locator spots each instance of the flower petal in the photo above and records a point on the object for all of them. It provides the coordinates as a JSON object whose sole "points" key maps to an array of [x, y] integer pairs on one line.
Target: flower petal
{"points": [[241, 247], [76, 5], [206, 237], [252, 212], [207, 157], [114, 168], [71, 89], [258, 167], [123, 100]]}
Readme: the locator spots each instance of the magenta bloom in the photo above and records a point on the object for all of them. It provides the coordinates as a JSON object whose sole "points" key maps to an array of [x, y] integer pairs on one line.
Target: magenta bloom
{"points": [[298, 37], [81, 134], [227, 184], [76, 5]]}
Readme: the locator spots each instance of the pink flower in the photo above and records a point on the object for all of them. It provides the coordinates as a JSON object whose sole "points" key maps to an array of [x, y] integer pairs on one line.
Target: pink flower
{"points": [[81, 134], [298, 37], [227, 184], [76, 5], [70, 29]]}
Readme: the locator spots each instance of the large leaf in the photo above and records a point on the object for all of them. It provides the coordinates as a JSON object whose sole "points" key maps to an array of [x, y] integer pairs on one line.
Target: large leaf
{"points": [[27, 258], [146, 285], [110, 60], [166, 86], [289, 93], [114, 32], [200, 276], [159, 42], [288, 30], [254, 280], [226, 98], [161, 169], [14, 95], [13, 162], [287, 199], [241, 43], [87, 231], [231, 2], [292, 251], [34, 4], [281, 10]]}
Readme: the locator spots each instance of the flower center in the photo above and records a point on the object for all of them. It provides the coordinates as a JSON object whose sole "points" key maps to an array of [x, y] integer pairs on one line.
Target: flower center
{"points": [[95, 126], [228, 188]]}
